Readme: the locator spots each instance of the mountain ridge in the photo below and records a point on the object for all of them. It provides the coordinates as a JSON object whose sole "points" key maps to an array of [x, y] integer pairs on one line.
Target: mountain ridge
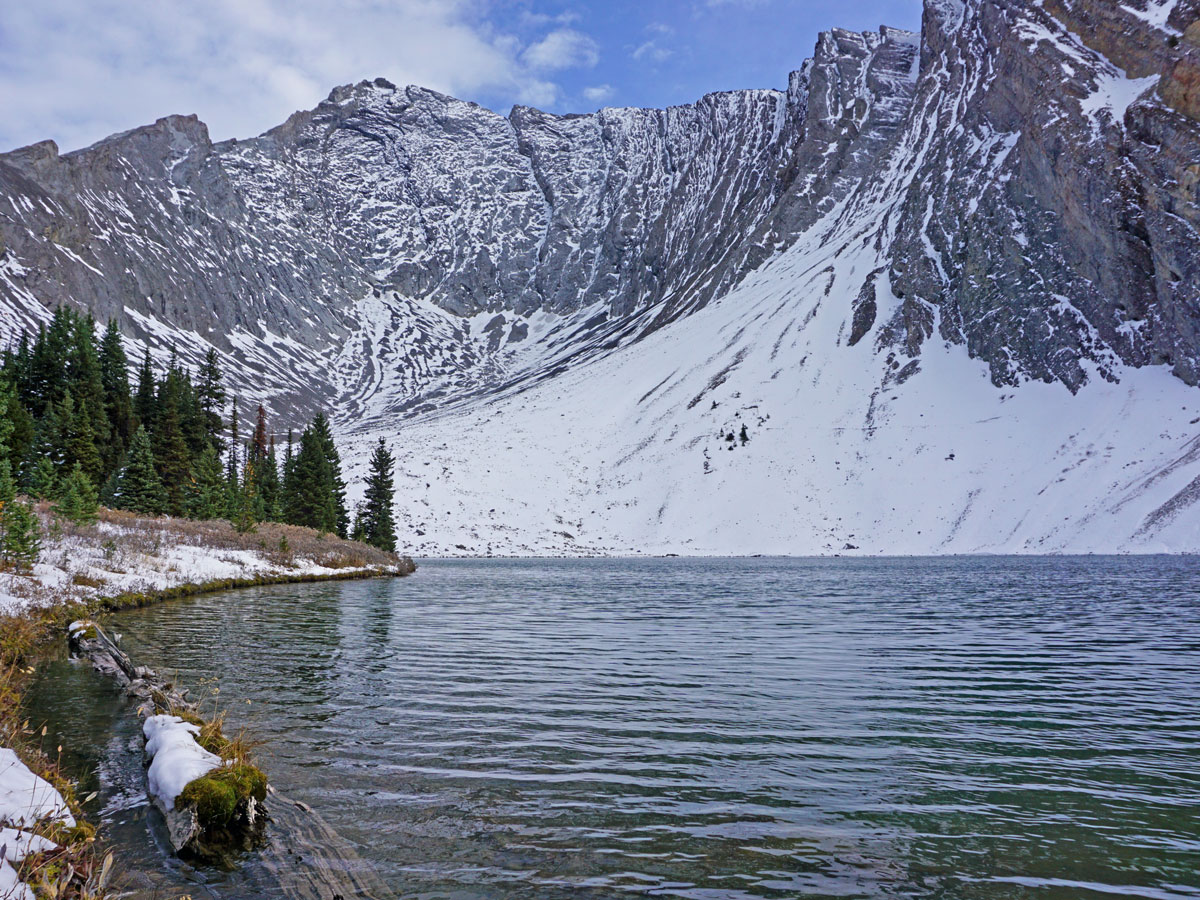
{"points": [[1014, 185]]}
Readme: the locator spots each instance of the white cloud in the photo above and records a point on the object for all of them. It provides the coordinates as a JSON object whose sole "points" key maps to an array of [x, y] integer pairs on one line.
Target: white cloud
{"points": [[598, 93], [78, 72], [651, 50], [564, 48]]}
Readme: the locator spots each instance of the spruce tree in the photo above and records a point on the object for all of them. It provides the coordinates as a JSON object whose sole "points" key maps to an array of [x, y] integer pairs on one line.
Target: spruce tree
{"points": [[20, 540], [118, 402], [310, 488], [42, 481], [86, 384], [144, 403], [171, 456], [268, 485], [258, 446], [233, 497], [378, 517], [8, 399], [191, 416], [17, 367], [46, 453], [21, 429], [210, 393], [77, 437], [324, 437], [46, 375], [206, 489], [139, 488], [246, 500], [231, 467], [8, 487], [77, 501]]}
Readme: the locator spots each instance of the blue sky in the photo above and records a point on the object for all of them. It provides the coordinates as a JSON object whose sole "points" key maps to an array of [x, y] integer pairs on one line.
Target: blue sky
{"points": [[78, 72]]}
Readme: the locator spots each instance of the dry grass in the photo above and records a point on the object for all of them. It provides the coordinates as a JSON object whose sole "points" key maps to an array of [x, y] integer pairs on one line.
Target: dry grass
{"points": [[282, 544], [125, 559]]}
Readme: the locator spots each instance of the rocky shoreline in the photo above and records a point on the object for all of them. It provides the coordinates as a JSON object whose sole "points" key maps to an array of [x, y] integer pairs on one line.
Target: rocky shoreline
{"points": [[307, 857], [59, 852]]}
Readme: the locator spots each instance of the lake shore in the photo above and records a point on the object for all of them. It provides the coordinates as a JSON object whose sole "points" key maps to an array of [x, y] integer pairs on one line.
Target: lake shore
{"points": [[121, 561]]}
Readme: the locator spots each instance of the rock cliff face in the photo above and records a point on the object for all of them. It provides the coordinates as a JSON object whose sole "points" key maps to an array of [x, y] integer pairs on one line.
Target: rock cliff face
{"points": [[1046, 154], [1050, 216]]}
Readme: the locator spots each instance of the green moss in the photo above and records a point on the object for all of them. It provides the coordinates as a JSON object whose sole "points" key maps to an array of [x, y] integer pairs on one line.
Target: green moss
{"points": [[217, 795]]}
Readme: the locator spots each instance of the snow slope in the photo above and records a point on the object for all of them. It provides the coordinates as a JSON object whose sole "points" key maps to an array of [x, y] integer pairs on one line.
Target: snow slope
{"points": [[850, 447]]}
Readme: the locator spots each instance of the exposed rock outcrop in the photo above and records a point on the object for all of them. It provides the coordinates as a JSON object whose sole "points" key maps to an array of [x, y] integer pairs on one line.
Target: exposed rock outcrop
{"points": [[395, 248]]}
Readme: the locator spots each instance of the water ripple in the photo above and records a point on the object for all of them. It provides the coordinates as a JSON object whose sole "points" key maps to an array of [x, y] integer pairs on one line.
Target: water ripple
{"points": [[972, 728]]}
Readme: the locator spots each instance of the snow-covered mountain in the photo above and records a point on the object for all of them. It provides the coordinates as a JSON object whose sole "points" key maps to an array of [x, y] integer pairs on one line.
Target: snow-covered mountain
{"points": [[949, 283]]}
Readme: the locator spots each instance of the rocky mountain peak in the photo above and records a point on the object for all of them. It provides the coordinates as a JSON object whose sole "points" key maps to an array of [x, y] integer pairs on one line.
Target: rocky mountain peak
{"points": [[1024, 172]]}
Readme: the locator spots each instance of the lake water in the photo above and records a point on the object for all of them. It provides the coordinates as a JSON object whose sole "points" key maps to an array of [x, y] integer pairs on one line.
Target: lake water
{"points": [[933, 728]]}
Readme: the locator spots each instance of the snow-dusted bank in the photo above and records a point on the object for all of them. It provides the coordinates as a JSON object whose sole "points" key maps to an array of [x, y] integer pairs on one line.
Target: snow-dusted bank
{"points": [[125, 559]]}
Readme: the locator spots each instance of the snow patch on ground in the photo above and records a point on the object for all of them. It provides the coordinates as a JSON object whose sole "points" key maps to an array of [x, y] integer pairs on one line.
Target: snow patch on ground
{"points": [[1114, 92], [25, 798]]}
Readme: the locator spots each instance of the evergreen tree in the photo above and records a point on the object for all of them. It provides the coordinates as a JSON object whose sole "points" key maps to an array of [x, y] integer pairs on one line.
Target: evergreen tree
{"points": [[118, 402], [20, 540], [21, 431], [8, 487], [233, 498], [378, 517], [77, 501], [144, 403], [192, 421], [86, 385], [310, 489], [47, 452], [42, 482], [139, 488], [171, 456], [324, 436], [112, 484], [231, 467], [268, 485], [8, 398], [76, 437], [46, 374], [288, 455], [258, 446], [206, 494], [246, 500], [17, 367], [210, 393]]}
